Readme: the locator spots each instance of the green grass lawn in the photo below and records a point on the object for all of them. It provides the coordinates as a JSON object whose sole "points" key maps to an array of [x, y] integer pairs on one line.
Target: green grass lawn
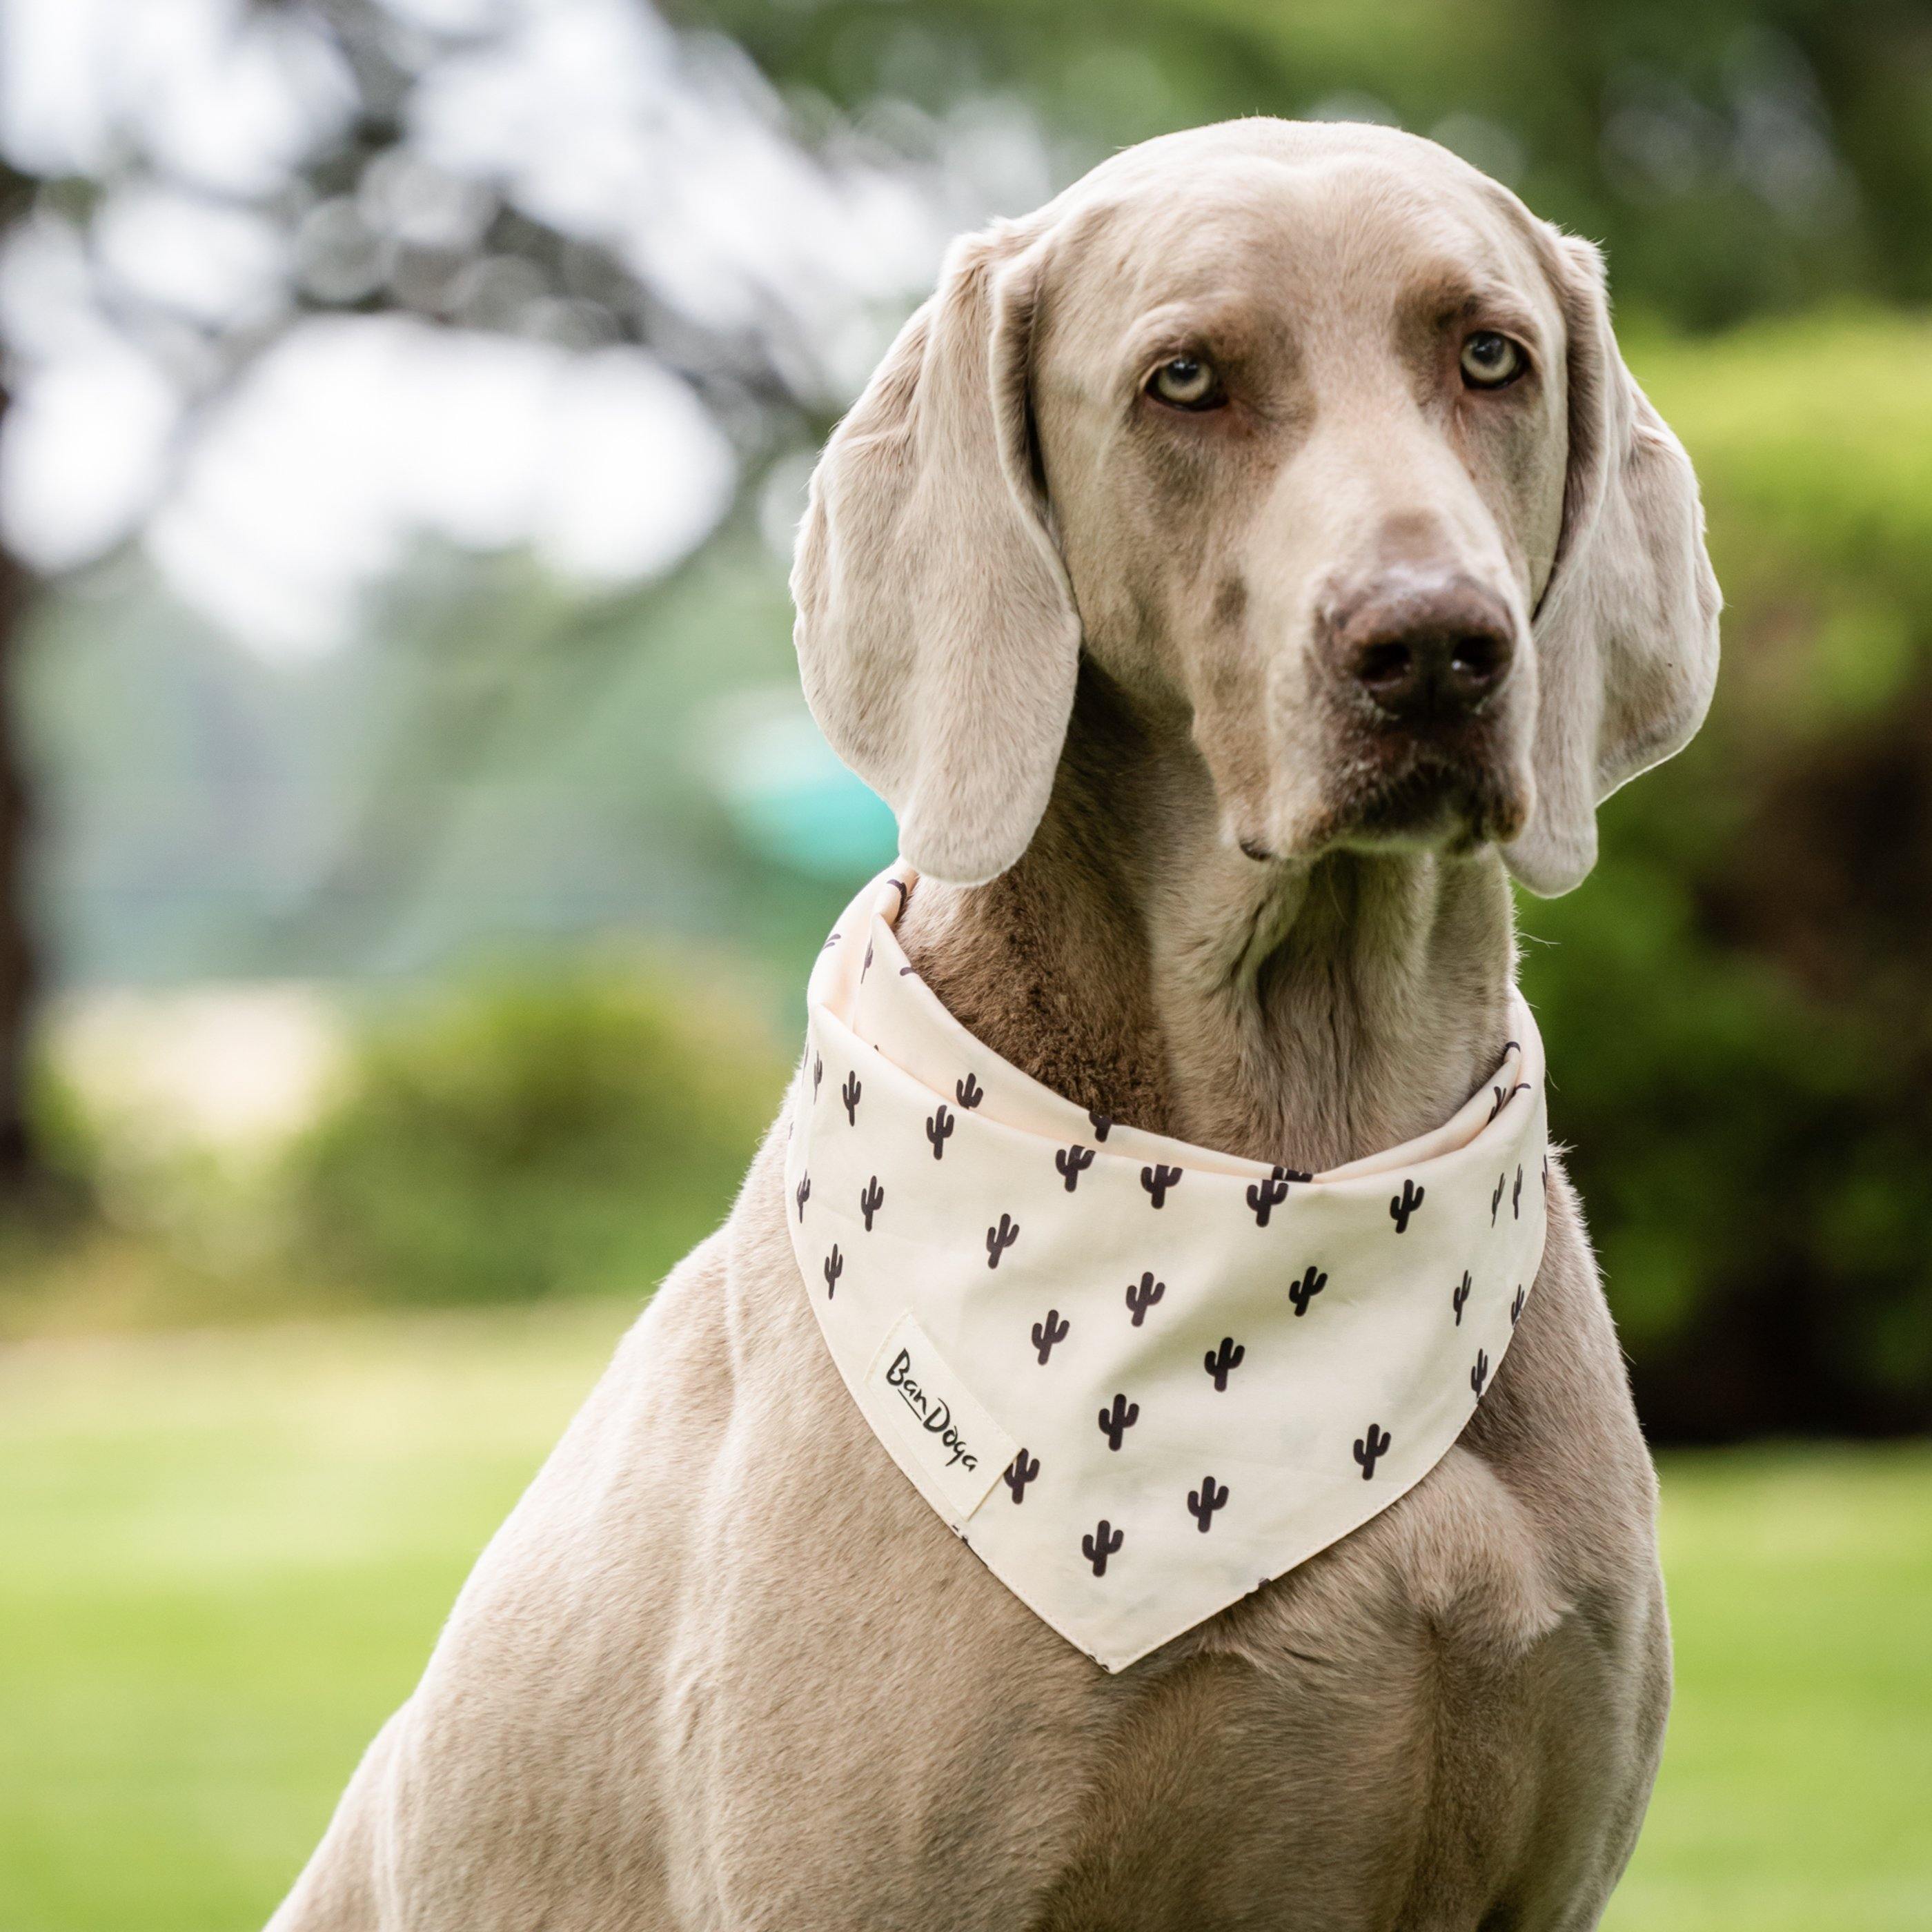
{"points": [[223, 1559]]}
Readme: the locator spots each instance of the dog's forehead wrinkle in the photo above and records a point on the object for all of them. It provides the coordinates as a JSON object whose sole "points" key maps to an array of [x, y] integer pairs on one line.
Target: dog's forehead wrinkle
{"points": [[1362, 228]]}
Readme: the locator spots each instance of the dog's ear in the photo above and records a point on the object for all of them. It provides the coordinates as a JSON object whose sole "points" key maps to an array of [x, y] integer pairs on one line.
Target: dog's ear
{"points": [[936, 628], [1626, 632]]}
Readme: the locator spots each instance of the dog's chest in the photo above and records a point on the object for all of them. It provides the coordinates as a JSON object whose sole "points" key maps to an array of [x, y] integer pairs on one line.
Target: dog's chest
{"points": [[871, 1730]]}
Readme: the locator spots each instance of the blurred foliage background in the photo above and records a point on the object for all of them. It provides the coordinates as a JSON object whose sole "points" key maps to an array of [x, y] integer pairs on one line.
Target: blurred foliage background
{"points": [[410, 404], [408, 813]]}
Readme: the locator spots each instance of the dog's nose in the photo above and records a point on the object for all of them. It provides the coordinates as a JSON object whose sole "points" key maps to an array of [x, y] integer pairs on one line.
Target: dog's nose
{"points": [[1425, 651]]}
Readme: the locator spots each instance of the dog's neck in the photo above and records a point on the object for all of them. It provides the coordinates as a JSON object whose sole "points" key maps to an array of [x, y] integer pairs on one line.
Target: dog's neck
{"points": [[1306, 1014]]}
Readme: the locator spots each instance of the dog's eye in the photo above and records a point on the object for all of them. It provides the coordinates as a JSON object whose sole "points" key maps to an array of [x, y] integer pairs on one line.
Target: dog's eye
{"points": [[1186, 382], [1491, 361]]}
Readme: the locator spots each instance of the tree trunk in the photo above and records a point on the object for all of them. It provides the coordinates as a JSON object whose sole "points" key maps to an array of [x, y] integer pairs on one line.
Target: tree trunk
{"points": [[18, 977], [20, 1170]]}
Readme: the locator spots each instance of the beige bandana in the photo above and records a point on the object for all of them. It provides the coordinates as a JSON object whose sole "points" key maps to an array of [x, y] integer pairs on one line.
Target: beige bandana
{"points": [[1138, 1378]]}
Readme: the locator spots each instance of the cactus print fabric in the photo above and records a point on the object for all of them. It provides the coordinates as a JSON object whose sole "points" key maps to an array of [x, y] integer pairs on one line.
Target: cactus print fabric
{"points": [[1138, 1378]]}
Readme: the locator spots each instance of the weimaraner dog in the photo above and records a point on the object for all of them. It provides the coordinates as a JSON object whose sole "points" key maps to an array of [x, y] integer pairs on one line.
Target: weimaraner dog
{"points": [[1234, 574]]}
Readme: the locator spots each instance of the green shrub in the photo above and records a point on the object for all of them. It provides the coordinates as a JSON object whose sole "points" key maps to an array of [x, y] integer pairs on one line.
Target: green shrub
{"points": [[1739, 1003], [578, 1130]]}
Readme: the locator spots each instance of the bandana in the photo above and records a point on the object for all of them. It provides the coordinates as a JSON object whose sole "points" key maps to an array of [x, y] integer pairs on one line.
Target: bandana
{"points": [[1139, 1379]]}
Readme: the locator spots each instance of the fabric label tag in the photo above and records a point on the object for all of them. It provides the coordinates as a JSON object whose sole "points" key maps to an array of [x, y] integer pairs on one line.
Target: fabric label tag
{"points": [[958, 1447]]}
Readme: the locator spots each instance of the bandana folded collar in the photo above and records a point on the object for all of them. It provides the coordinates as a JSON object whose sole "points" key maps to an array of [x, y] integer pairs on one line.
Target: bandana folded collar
{"points": [[1138, 1378]]}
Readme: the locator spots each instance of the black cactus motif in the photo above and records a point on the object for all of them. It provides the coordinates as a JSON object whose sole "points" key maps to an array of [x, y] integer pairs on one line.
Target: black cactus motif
{"points": [[1222, 1362], [834, 1266], [1479, 1374], [968, 1092], [1103, 1123], [1203, 1502], [817, 1075], [1370, 1450], [1158, 1180], [1115, 1422], [939, 1130], [1516, 1306], [1265, 1196], [1019, 1473], [802, 1194], [1505, 1095], [868, 967], [905, 898], [1073, 1162], [1047, 1335], [1496, 1198], [1279, 1177], [872, 1198], [1402, 1205], [1302, 1292], [1104, 1542], [1000, 1239], [1516, 1196], [1141, 1295], [1458, 1294], [850, 1093]]}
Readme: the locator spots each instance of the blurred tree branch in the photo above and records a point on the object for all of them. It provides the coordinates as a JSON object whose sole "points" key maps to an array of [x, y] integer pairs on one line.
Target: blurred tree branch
{"points": [[342, 213], [1735, 159]]}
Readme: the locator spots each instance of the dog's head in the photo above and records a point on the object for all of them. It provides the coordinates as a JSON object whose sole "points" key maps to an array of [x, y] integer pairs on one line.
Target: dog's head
{"points": [[1319, 445]]}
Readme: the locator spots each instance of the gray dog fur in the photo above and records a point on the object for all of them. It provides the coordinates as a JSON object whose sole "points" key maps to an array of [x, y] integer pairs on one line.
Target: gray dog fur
{"points": [[722, 1668]]}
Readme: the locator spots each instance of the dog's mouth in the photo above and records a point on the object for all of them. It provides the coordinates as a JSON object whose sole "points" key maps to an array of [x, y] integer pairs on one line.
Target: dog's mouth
{"points": [[1451, 795], [1448, 785], [1445, 811]]}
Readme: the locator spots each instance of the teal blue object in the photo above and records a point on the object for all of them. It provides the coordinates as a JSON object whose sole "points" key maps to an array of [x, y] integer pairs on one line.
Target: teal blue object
{"points": [[792, 801]]}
